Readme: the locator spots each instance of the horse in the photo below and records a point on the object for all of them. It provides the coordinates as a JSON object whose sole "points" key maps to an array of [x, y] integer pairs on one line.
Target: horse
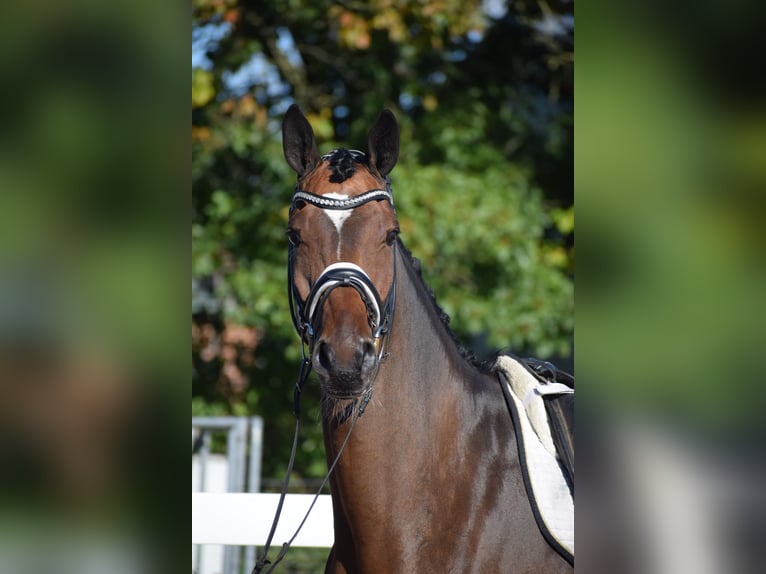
{"points": [[430, 479]]}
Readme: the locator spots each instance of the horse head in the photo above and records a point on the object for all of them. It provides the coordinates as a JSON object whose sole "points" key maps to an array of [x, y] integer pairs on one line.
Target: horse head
{"points": [[342, 232]]}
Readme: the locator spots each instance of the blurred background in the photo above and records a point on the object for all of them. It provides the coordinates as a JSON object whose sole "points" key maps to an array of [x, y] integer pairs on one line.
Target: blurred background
{"points": [[93, 286], [670, 177]]}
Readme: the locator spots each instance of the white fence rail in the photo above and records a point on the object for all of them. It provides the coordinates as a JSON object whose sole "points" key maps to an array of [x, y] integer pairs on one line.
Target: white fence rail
{"points": [[229, 516], [245, 519]]}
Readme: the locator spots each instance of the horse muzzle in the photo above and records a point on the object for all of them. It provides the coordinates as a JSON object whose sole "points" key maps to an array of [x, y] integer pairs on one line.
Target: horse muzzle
{"points": [[345, 370], [345, 310]]}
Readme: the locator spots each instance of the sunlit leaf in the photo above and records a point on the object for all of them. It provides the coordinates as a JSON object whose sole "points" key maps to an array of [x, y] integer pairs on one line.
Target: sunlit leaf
{"points": [[202, 87]]}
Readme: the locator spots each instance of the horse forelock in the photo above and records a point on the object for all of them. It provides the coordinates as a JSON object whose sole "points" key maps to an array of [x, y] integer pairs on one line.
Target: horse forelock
{"points": [[343, 163]]}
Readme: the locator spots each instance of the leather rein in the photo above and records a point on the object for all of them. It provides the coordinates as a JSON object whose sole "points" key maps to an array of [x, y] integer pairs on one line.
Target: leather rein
{"points": [[306, 315]]}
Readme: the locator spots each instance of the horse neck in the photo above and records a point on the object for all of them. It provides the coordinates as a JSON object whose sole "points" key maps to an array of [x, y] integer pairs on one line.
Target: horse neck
{"points": [[431, 469], [424, 384], [425, 364]]}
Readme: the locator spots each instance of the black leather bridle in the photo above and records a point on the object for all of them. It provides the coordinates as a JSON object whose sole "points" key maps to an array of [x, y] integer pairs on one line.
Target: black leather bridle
{"points": [[306, 314]]}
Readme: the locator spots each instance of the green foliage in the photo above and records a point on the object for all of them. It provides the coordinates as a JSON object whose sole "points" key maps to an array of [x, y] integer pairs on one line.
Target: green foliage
{"points": [[483, 255], [483, 186]]}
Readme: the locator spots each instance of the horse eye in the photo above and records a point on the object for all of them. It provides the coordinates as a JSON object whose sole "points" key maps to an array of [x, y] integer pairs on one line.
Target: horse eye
{"points": [[293, 237], [391, 237]]}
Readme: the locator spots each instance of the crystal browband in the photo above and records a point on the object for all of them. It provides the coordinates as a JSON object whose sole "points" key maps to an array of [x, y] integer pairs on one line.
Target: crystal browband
{"points": [[348, 203]]}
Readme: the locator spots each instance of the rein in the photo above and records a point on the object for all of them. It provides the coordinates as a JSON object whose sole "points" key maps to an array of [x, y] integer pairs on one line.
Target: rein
{"points": [[261, 564], [305, 314]]}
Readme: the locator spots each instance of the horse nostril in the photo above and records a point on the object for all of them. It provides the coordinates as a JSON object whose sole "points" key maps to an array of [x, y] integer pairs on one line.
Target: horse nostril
{"points": [[326, 356]]}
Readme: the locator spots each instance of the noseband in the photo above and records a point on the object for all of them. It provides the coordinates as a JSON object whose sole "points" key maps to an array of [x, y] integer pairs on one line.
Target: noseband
{"points": [[306, 314]]}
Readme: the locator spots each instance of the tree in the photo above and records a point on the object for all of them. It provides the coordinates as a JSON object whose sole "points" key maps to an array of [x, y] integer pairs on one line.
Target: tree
{"points": [[483, 187]]}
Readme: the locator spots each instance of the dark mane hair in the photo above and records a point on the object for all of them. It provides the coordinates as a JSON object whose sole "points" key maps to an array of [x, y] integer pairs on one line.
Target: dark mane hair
{"points": [[342, 163], [465, 352]]}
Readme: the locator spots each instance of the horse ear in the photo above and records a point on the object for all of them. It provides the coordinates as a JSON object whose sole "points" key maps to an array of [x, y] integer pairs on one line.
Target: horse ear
{"points": [[383, 143], [298, 142]]}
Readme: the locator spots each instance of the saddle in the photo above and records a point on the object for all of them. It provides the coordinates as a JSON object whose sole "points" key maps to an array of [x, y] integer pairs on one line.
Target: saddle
{"points": [[559, 404], [540, 399]]}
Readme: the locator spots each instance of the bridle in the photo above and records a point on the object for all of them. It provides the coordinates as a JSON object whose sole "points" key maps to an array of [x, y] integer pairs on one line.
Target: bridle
{"points": [[307, 314]]}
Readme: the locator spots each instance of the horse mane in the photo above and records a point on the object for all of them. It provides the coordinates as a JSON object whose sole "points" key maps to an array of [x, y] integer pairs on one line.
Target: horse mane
{"points": [[465, 352]]}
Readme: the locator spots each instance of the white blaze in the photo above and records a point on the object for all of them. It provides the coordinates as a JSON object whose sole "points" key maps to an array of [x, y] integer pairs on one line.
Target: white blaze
{"points": [[337, 216]]}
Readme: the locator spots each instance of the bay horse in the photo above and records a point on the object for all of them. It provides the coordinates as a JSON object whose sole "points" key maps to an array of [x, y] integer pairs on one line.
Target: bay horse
{"points": [[430, 478]]}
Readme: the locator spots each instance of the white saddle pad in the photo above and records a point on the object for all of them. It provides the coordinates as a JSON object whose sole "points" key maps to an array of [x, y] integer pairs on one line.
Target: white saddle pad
{"points": [[550, 496]]}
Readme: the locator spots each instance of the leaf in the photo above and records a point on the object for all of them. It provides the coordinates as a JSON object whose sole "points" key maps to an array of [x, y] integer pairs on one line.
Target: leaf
{"points": [[202, 87], [564, 219]]}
